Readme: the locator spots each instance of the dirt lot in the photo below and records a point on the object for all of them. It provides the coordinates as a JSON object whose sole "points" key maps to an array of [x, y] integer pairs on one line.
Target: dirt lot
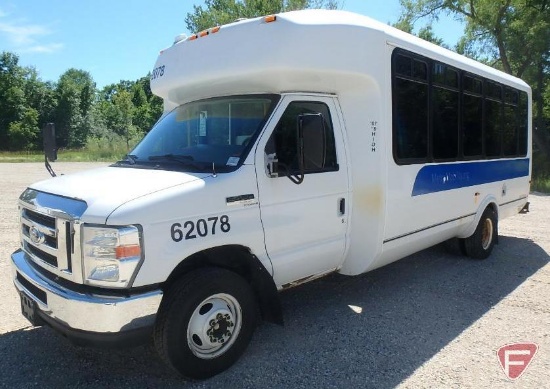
{"points": [[431, 320]]}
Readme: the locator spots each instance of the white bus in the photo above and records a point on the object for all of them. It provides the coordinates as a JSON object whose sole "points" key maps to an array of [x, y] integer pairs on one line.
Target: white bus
{"points": [[291, 146]]}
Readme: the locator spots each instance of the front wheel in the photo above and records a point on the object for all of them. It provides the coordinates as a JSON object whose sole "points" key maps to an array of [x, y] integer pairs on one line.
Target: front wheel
{"points": [[205, 322], [481, 243]]}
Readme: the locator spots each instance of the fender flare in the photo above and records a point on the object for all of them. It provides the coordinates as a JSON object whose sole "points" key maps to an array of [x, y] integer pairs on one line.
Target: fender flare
{"points": [[488, 201]]}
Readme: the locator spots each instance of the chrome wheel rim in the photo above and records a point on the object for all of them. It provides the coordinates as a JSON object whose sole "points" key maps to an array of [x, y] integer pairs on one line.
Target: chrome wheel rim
{"points": [[487, 234], [214, 326]]}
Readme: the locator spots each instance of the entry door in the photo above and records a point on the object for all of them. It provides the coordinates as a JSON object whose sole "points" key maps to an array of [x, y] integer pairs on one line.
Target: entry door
{"points": [[305, 223]]}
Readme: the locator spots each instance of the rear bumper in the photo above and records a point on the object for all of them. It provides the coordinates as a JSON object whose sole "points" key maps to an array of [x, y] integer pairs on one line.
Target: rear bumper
{"points": [[86, 318]]}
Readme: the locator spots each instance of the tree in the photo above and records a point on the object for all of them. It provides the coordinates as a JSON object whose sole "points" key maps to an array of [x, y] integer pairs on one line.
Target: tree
{"points": [[426, 32], [127, 109], [75, 94], [24, 134], [26, 102], [124, 111], [218, 12], [155, 103], [12, 95]]}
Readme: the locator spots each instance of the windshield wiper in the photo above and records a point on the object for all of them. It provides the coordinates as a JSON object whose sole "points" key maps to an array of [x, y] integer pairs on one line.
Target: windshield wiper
{"points": [[131, 158], [128, 158]]}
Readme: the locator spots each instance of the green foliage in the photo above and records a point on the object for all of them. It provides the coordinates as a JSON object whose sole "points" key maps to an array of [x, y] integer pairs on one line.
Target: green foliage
{"points": [[127, 109], [11, 94], [110, 148], [514, 34], [75, 94], [405, 23], [118, 114], [24, 134], [541, 185], [218, 12]]}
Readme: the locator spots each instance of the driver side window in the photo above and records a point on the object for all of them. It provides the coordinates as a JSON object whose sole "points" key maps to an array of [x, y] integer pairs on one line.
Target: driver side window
{"points": [[319, 151]]}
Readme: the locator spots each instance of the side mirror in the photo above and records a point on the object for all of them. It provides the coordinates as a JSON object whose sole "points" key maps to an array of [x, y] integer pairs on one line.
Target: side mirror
{"points": [[309, 153], [50, 147], [313, 143]]}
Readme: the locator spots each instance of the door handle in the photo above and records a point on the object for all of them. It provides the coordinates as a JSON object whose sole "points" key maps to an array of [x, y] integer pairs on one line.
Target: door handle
{"points": [[342, 206]]}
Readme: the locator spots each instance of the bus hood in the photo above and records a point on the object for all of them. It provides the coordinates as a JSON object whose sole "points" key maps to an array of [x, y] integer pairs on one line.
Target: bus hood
{"points": [[106, 189]]}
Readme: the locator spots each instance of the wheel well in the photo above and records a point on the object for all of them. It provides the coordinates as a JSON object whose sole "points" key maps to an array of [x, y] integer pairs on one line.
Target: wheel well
{"points": [[240, 260], [494, 207]]}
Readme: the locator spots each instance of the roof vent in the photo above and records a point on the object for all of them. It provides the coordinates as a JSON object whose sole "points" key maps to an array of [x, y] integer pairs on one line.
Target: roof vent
{"points": [[180, 38]]}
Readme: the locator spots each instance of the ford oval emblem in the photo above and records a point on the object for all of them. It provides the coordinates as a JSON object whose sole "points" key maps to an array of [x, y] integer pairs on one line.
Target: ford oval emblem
{"points": [[37, 237]]}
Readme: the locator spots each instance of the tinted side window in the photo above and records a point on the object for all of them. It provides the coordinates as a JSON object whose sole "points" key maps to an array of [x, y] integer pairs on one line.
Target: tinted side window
{"points": [[442, 113], [472, 85], [445, 123], [410, 119], [492, 128], [510, 131], [472, 126], [522, 124]]}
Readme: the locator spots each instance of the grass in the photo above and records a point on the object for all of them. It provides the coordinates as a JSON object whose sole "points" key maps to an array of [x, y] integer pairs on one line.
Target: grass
{"points": [[101, 150], [83, 155]]}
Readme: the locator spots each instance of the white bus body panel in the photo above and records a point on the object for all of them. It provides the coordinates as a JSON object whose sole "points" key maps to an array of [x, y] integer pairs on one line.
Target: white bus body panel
{"points": [[387, 220], [156, 199]]}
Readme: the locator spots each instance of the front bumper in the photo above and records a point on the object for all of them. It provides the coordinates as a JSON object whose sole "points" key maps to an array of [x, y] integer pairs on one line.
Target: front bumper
{"points": [[85, 317]]}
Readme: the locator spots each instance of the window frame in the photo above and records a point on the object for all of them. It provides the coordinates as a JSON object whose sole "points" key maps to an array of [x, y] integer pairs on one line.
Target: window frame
{"points": [[330, 137]]}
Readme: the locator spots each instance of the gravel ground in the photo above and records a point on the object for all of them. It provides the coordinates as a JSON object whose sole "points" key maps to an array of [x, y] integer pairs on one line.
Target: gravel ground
{"points": [[432, 320]]}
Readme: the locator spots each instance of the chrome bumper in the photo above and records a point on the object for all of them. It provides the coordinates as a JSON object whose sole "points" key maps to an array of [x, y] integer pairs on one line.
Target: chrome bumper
{"points": [[83, 312]]}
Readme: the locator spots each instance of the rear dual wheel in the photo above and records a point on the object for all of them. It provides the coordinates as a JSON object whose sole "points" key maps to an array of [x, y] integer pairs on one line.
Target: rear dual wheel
{"points": [[481, 243], [205, 322]]}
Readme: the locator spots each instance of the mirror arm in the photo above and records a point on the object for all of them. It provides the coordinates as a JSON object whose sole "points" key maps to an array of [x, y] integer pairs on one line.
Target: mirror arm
{"points": [[49, 167], [297, 179], [50, 147]]}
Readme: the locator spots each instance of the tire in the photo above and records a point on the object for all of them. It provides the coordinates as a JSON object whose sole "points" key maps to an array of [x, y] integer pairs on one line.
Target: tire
{"points": [[481, 243], [205, 322], [462, 247]]}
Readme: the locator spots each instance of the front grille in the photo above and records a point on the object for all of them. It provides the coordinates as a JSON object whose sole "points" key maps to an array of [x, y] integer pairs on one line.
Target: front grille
{"points": [[50, 233], [39, 218], [48, 240], [48, 258]]}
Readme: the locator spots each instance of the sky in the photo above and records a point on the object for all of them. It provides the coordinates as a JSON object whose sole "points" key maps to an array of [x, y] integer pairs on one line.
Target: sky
{"points": [[120, 39]]}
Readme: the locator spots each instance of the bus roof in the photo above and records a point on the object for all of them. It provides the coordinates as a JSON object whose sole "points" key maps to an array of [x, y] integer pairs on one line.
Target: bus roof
{"points": [[309, 50]]}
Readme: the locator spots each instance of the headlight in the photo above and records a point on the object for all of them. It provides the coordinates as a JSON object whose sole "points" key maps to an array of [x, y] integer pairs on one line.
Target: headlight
{"points": [[111, 255]]}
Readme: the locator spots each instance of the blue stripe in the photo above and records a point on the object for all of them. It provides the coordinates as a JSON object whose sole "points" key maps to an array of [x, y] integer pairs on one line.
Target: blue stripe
{"points": [[442, 177]]}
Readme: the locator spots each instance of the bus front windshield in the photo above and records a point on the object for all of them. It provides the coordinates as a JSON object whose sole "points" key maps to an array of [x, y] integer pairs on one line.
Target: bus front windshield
{"points": [[204, 135]]}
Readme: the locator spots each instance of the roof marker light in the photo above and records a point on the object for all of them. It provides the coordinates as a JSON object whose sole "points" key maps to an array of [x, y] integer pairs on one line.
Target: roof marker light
{"points": [[203, 33], [270, 18], [215, 29], [193, 37]]}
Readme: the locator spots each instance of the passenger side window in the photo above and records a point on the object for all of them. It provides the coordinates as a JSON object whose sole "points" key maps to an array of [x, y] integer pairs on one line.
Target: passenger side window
{"points": [[319, 150], [410, 93]]}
